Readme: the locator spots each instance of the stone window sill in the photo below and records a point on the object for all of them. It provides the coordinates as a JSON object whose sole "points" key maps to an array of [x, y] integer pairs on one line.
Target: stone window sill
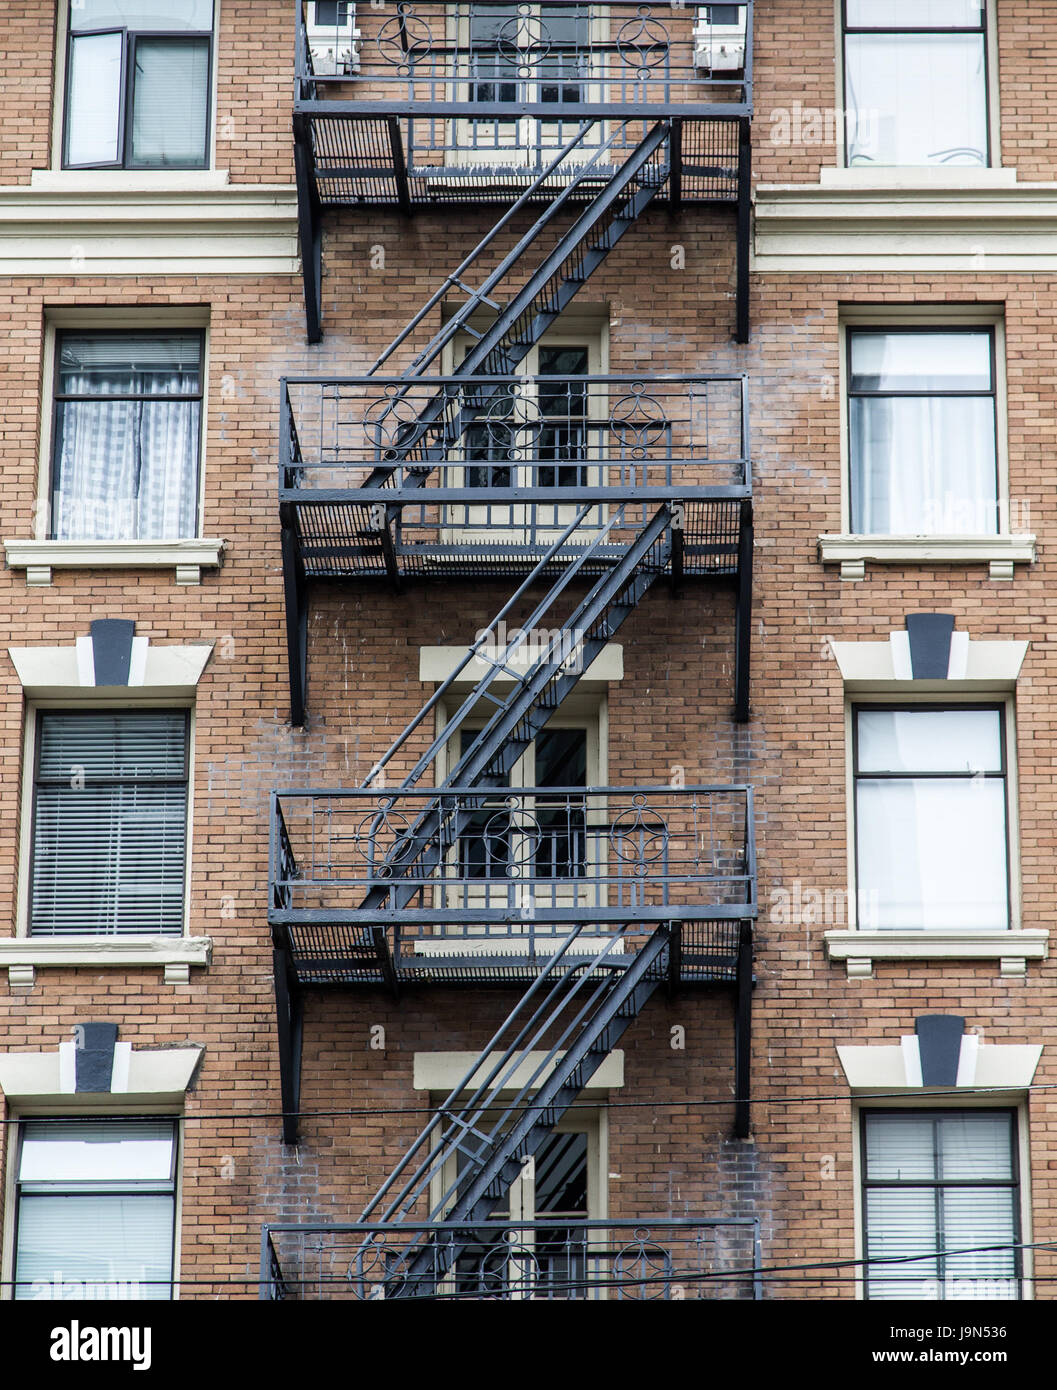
{"points": [[859, 949], [22, 956], [187, 558], [999, 553]]}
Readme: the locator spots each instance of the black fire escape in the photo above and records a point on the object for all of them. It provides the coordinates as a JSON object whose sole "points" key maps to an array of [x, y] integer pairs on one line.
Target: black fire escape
{"points": [[573, 118]]}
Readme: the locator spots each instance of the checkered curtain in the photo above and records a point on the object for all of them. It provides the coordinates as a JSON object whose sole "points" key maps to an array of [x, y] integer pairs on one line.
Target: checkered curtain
{"points": [[127, 469]]}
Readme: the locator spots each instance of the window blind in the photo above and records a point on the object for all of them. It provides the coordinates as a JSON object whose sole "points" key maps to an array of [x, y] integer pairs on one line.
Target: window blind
{"points": [[110, 824], [940, 1203]]}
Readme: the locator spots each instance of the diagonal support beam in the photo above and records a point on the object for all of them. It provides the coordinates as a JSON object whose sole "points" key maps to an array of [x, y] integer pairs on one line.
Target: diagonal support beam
{"points": [[309, 228], [743, 1033], [743, 615], [289, 1014]]}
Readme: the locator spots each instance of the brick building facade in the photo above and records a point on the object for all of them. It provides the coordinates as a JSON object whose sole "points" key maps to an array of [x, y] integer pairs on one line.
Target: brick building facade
{"points": [[198, 254]]}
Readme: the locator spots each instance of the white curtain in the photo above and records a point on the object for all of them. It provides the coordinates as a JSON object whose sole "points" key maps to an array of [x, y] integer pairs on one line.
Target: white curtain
{"points": [[916, 99]]}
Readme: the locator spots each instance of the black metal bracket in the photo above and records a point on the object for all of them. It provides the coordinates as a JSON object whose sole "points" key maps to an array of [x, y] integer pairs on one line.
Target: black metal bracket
{"points": [[744, 234], [743, 1033], [396, 142], [309, 227], [295, 586], [675, 956], [675, 167], [289, 1014], [743, 615]]}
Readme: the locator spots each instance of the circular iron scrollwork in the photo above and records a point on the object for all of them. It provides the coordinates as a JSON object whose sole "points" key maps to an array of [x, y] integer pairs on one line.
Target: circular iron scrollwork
{"points": [[405, 40], [637, 421], [389, 420], [646, 1267], [643, 42], [513, 426], [636, 840], [524, 40]]}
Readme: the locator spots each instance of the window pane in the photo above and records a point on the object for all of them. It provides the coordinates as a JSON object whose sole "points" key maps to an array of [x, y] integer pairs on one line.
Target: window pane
{"points": [[109, 857], [93, 107], [127, 745], [561, 1176], [900, 1148], [127, 470], [103, 1151], [106, 1242], [902, 1222], [923, 465], [917, 14], [932, 854], [929, 740], [973, 1219], [140, 15], [916, 99], [108, 364], [170, 102], [921, 361], [975, 1147]]}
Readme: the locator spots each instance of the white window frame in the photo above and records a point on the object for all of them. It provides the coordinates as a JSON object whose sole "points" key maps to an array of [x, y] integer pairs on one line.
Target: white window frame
{"points": [[121, 177], [929, 173], [858, 943], [39, 556], [925, 1101], [1000, 550], [174, 953], [88, 1106]]}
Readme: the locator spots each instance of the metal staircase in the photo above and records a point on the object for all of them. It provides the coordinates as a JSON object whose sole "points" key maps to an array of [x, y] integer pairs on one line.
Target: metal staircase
{"points": [[518, 716], [501, 1112], [498, 349], [365, 891], [577, 1003]]}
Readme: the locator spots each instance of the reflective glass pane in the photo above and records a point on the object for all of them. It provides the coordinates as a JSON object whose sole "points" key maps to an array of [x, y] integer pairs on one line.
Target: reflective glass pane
{"points": [[932, 853], [93, 106], [915, 14], [929, 740], [170, 103], [916, 99], [975, 1147], [142, 15], [96, 1151], [923, 465], [129, 364], [921, 361]]}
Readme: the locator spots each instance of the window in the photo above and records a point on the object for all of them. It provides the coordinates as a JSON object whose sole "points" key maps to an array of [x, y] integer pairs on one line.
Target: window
{"points": [[931, 817], [545, 840], [109, 823], [916, 83], [941, 1188], [499, 35], [548, 1252], [127, 435], [138, 84], [922, 431], [96, 1209]]}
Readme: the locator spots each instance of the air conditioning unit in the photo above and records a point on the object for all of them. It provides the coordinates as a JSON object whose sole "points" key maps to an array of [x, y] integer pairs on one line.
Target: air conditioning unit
{"points": [[333, 39], [720, 38]]}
